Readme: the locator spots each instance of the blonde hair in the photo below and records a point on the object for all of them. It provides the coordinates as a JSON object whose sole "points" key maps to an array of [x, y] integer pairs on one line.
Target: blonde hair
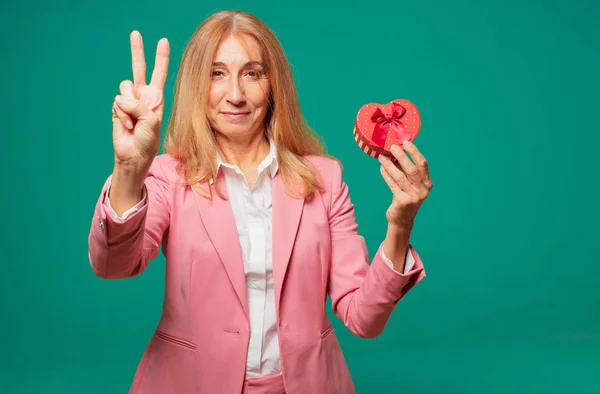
{"points": [[189, 137]]}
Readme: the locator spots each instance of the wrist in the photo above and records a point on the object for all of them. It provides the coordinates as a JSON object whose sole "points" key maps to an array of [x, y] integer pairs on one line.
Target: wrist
{"points": [[397, 230], [131, 171], [126, 185], [396, 244]]}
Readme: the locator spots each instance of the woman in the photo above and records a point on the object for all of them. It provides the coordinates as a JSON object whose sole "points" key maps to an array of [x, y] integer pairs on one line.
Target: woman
{"points": [[255, 221]]}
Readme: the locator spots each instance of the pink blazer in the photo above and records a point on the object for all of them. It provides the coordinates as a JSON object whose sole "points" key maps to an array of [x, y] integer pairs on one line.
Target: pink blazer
{"points": [[200, 344]]}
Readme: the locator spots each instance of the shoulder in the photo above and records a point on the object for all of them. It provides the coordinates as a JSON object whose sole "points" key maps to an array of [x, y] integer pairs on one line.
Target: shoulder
{"points": [[327, 166], [164, 167], [329, 170]]}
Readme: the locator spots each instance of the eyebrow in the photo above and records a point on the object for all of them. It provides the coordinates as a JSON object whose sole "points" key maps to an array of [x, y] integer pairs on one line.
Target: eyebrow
{"points": [[250, 63]]}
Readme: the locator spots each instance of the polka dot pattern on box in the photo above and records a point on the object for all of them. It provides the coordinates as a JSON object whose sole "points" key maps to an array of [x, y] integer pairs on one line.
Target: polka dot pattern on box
{"points": [[379, 126]]}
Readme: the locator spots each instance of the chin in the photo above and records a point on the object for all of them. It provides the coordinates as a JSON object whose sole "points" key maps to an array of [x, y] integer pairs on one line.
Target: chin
{"points": [[233, 129]]}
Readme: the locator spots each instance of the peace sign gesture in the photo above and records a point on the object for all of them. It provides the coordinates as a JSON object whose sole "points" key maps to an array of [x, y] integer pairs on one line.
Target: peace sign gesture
{"points": [[138, 110]]}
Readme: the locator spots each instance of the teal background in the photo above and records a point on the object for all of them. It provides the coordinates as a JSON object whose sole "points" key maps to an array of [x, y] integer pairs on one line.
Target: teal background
{"points": [[508, 93]]}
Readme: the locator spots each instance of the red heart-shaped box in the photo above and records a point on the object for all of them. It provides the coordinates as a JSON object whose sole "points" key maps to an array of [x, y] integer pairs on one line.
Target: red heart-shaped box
{"points": [[379, 126]]}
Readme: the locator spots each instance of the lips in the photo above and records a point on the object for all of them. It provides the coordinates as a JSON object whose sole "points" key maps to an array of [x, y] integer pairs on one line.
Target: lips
{"points": [[236, 116]]}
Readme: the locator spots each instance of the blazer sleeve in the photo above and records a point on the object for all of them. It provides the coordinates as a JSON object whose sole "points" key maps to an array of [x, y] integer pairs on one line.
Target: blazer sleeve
{"points": [[122, 248], [363, 296]]}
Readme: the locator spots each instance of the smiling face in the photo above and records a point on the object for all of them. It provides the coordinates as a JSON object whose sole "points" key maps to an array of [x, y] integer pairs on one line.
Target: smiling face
{"points": [[238, 99]]}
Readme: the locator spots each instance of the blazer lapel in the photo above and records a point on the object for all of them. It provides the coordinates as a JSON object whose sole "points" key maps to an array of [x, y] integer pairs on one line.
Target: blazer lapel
{"points": [[217, 217], [286, 212]]}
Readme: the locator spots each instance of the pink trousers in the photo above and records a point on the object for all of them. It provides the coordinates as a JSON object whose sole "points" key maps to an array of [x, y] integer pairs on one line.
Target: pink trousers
{"points": [[272, 384]]}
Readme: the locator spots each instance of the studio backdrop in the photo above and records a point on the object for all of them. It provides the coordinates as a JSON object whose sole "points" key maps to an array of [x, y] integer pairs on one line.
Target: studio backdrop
{"points": [[508, 95]]}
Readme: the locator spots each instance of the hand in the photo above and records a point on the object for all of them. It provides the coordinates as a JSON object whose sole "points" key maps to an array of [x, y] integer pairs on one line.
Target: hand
{"points": [[410, 183], [138, 111]]}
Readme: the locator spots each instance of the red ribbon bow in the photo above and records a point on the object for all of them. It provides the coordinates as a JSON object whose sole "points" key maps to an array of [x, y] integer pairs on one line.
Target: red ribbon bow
{"points": [[384, 123]]}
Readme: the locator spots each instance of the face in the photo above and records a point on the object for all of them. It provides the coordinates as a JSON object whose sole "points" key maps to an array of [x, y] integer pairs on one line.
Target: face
{"points": [[239, 90]]}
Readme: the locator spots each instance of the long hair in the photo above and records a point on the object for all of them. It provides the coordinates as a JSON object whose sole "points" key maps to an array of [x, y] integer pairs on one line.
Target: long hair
{"points": [[190, 138]]}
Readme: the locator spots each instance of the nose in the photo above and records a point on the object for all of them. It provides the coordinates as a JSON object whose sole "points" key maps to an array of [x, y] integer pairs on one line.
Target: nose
{"points": [[235, 93]]}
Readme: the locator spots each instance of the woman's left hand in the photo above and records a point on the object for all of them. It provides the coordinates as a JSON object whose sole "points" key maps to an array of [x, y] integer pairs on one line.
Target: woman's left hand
{"points": [[410, 183]]}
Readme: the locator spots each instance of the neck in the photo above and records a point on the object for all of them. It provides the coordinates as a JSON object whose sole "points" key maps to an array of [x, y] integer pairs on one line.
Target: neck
{"points": [[246, 152]]}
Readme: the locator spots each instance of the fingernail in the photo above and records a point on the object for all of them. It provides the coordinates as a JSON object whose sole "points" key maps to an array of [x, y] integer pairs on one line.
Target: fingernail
{"points": [[395, 149], [407, 143], [128, 124]]}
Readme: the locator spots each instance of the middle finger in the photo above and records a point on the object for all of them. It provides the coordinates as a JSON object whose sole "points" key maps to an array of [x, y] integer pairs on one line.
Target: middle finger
{"points": [[420, 162], [412, 172]]}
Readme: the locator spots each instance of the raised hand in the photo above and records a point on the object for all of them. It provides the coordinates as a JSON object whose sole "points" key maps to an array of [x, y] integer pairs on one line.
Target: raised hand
{"points": [[138, 110], [410, 184]]}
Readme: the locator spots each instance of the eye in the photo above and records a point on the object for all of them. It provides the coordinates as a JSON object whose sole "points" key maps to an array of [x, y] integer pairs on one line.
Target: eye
{"points": [[253, 73], [217, 73]]}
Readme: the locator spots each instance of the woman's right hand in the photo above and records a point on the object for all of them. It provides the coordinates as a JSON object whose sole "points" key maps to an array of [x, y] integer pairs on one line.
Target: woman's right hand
{"points": [[138, 110]]}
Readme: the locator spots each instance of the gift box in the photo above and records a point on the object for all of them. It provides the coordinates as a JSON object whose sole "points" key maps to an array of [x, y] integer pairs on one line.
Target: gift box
{"points": [[379, 126]]}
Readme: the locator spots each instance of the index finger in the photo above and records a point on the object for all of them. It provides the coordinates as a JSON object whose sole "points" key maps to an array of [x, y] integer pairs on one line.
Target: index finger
{"points": [[138, 63], [161, 64]]}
